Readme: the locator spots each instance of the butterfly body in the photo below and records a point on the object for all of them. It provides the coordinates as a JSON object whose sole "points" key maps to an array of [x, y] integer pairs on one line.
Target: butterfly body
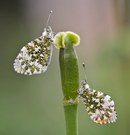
{"points": [[35, 57], [99, 106]]}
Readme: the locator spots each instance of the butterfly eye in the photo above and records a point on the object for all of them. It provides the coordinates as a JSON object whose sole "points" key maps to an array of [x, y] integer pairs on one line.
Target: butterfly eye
{"points": [[35, 57], [99, 106]]}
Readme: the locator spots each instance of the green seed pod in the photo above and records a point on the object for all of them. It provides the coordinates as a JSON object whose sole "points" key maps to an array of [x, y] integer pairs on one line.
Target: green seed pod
{"points": [[69, 72], [68, 63]]}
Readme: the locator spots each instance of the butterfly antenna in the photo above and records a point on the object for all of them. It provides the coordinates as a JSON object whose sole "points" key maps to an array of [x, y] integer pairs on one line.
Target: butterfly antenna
{"points": [[84, 69], [48, 18]]}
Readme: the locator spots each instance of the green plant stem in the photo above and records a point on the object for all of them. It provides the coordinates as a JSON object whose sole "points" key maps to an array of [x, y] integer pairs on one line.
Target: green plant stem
{"points": [[71, 119], [70, 84]]}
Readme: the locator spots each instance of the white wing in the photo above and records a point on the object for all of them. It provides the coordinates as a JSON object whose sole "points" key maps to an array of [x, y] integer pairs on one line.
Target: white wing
{"points": [[99, 106], [35, 57]]}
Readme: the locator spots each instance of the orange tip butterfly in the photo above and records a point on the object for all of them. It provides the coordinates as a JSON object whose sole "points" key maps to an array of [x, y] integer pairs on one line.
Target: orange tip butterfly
{"points": [[35, 56], [99, 106]]}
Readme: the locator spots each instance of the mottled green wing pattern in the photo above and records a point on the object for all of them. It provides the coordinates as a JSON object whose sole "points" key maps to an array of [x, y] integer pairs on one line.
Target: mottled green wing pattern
{"points": [[99, 106], [35, 57]]}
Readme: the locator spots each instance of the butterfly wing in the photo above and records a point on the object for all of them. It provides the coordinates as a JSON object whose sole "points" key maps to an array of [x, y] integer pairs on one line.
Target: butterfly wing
{"points": [[35, 57], [99, 106]]}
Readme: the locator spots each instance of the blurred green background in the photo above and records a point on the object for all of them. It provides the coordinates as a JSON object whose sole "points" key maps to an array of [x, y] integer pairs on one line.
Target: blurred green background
{"points": [[32, 105]]}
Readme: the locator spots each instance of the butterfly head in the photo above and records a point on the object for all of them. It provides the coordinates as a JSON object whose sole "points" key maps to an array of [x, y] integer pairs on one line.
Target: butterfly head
{"points": [[48, 33], [83, 87]]}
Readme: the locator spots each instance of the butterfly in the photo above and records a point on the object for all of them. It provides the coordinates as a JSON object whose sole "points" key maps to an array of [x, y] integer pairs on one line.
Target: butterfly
{"points": [[35, 56], [100, 106]]}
